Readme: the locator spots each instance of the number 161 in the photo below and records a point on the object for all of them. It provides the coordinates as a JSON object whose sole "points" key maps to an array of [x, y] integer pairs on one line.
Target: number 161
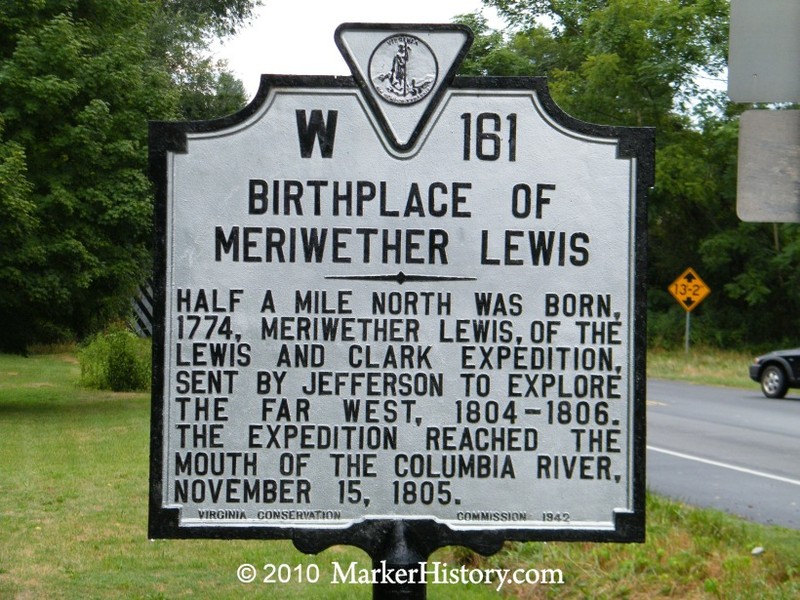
{"points": [[489, 136]]}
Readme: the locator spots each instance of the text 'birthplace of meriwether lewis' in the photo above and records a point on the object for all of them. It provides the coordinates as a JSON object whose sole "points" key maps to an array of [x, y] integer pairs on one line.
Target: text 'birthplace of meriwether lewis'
{"points": [[362, 199]]}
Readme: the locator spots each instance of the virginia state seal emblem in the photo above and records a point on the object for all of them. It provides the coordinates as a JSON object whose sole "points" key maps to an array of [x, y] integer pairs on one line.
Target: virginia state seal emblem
{"points": [[403, 69]]}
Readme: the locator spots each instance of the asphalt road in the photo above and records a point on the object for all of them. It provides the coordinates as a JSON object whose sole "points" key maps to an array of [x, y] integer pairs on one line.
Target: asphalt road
{"points": [[725, 448]]}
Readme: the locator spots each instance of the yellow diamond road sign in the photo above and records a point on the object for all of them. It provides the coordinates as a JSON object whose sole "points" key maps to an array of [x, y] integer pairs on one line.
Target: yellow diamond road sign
{"points": [[689, 290]]}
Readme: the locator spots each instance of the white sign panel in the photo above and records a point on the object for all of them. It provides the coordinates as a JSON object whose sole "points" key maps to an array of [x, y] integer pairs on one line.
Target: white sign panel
{"points": [[367, 320]]}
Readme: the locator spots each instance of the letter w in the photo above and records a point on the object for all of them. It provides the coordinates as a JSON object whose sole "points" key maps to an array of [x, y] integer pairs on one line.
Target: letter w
{"points": [[317, 128]]}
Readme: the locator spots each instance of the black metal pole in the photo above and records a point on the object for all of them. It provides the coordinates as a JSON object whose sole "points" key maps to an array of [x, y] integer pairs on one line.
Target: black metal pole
{"points": [[400, 550], [400, 567]]}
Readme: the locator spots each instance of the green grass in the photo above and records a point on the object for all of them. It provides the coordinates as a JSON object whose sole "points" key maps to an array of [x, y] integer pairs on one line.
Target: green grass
{"points": [[705, 366], [73, 522], [689, 553]]}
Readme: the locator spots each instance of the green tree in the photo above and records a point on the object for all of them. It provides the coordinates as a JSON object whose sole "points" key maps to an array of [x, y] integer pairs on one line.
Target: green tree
{"points": [[621, 62], [210, 91], [17, 229], [79, 79]]}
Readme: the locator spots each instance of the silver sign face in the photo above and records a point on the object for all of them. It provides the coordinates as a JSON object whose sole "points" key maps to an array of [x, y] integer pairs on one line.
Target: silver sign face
{"points": [[354, 331]]}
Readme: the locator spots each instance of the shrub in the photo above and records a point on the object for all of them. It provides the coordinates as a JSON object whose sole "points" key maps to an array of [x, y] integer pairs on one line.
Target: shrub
{"points": [[116, 360]]}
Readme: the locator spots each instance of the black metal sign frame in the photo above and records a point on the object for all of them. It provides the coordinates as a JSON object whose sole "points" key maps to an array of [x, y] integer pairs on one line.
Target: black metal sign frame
{"points": [[399, 541]]}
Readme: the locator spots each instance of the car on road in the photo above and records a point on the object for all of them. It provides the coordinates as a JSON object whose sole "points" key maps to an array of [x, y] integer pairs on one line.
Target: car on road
{"points": [[777, 372]]}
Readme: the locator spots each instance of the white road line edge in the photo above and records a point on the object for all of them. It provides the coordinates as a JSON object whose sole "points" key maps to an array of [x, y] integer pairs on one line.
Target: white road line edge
{"points": [[724, 465]]}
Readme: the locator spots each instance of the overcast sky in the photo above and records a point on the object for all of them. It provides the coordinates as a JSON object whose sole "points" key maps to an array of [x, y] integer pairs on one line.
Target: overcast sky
{"points": [[296, 36]]}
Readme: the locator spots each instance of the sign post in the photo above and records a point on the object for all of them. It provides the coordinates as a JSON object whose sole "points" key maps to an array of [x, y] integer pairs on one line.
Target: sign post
{"points": [[762, 67], [689, 290], [399, 310]]}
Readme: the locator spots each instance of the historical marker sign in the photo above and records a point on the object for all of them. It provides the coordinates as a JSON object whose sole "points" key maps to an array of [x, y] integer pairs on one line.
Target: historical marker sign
{"points": [[400, 297], [689, 290]]}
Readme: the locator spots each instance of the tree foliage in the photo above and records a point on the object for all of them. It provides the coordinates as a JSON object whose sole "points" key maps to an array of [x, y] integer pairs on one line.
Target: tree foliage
{"points": [[643, 63], [79, 79]]}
